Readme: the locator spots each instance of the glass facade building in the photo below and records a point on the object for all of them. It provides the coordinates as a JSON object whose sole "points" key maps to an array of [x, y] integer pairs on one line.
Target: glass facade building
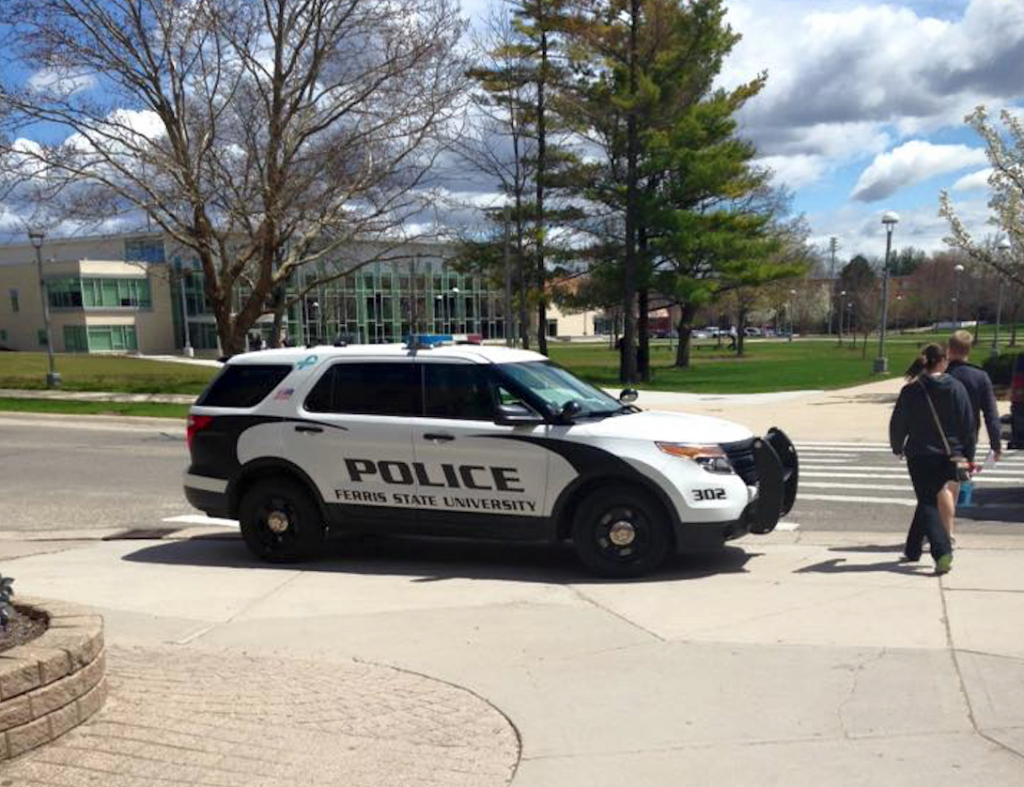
{"points": [[379, 302]]}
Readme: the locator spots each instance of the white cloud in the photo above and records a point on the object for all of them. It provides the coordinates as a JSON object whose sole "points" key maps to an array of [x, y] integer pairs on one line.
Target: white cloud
{"points": [[975, 181], [795, 171], [911, 163], [48, 80], [870, 69]]}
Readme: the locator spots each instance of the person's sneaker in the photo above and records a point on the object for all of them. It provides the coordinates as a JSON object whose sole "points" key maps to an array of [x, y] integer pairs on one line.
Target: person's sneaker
{"points": [[908, 559], [944, 565]]}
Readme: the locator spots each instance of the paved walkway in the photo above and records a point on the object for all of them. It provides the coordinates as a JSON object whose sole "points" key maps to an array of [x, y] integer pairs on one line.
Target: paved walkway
{"points": [[794, 658], [194, 718]]}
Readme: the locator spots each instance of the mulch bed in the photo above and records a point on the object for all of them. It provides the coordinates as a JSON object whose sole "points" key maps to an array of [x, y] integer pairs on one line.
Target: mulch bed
{"points": [[21, 629]]}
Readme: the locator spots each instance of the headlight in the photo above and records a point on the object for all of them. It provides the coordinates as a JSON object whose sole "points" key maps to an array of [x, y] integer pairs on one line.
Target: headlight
{"points": [[711, 457]]}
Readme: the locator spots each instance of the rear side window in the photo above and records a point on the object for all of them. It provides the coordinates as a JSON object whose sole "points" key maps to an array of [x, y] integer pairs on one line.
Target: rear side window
{"points": [[460, 391], [368, 389], [243, 385]]}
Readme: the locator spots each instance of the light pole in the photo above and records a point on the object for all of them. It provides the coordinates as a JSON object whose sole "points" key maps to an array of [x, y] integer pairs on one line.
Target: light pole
{"points": [[52, 377], [842, 311], [899, 302], [439, 302], [1004, 248], [833, 246], [957, 270], [791, 294], [890, 220], [454, 315], [187, 349]]}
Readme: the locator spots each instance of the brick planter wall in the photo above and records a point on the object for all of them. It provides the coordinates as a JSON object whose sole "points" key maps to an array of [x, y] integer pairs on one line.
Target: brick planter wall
{"points": [[53, 683]]}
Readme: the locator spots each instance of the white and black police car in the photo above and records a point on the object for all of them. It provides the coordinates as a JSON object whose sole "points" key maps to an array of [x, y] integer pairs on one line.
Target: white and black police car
{"points": [[470, 441]]}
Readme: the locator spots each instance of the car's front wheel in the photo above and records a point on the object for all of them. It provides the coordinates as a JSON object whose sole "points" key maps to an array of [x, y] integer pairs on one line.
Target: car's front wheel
{"points": [[621, 532], [280, 521]]}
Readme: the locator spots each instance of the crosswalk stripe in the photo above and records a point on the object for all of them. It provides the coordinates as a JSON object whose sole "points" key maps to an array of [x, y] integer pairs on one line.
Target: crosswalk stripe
{"points": [[892, 476], [833, 485], [853, 499], [200, 519]]}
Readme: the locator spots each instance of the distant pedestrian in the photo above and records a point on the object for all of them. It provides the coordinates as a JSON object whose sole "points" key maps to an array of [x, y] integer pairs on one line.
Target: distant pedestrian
{"points": [[733, 334], [932, 426]]}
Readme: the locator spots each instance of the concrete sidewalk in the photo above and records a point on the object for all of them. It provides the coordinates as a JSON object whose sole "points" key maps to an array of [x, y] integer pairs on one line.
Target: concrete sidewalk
{"points": [[788, 659]]}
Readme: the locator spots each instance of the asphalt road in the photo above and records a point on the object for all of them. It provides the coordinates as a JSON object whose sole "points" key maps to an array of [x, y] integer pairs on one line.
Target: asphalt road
{"points": [[61, 473]]}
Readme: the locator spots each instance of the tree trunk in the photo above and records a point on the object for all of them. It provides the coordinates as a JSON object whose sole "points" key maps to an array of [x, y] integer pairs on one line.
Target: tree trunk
{"points": [[685, 330], [280, 306], [741, 331], [628, 369], [643, 361], [541, 227]]}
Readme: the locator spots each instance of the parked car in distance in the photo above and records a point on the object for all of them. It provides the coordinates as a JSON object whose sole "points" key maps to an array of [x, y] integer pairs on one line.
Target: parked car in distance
{"points": [[752, 331], [700, 333]]}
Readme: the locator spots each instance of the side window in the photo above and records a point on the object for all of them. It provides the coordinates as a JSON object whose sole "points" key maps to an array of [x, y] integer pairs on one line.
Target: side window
{"points": [[243, 385], [367, 389], [460, 390]]}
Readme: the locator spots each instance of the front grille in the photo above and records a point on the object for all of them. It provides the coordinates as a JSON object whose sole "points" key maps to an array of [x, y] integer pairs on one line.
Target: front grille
{"points": [[741, 455]]}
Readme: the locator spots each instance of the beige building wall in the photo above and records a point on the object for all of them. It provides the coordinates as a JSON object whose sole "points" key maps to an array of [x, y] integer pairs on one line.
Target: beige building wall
{"points": [[572, 324], [79, 257]]}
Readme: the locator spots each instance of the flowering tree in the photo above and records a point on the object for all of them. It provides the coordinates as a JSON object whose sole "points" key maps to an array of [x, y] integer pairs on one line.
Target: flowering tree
{"points": [[1006, 156]]}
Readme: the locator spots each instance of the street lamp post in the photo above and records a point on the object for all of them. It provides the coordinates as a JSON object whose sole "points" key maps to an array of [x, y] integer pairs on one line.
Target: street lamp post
{"points": [[791, 294], [52, 377], [957, 270], [1004, 247], [890, 220], [899, 302], [187, 349], [842, 311], [454, 315]]}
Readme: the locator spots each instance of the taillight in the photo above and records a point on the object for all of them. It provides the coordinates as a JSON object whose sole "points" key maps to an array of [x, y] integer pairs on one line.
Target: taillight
{"points": [[1017, 388], [196, 423]]}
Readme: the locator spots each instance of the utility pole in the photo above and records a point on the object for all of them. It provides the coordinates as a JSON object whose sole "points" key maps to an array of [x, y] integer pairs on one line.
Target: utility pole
{"points": [[187, 349]]}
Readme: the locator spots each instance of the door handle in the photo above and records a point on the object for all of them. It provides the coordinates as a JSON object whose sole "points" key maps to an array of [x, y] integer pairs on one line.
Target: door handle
{"points": [[440, 438], [309, 429]]}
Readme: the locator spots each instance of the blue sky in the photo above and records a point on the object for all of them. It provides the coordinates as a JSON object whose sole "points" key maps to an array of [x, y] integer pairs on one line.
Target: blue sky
{"points": [[863, 110]]}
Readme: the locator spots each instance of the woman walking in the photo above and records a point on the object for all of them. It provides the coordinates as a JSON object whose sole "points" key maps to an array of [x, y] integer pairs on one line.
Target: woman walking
{"points": [[933, 427]]}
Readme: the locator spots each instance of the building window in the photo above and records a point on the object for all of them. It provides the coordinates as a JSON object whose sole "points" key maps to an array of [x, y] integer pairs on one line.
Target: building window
{"points": [[144, 250], [15, 306], [112, 338], [3, 335], [64, 293], [75, 339], [41, 336], [116, 294]]}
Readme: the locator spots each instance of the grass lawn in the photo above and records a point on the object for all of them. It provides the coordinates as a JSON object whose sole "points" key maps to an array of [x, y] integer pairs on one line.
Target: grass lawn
{"points": [[69, 407], [767, 366], [103, 373]]}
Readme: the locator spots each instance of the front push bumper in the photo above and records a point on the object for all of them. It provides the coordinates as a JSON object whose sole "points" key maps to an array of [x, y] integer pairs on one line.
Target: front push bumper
{"points": [[778, 474]]}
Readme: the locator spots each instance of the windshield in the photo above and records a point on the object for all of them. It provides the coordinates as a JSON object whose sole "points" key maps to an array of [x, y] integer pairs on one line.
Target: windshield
{"points": [[556, 386]]}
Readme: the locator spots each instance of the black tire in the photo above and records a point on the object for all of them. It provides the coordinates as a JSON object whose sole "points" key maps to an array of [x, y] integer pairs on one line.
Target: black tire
{"points": [[304, 525], [595, 519]]}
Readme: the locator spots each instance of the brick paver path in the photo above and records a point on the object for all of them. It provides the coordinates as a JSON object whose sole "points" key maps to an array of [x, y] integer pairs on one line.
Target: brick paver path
{"points": [[182, 717]]}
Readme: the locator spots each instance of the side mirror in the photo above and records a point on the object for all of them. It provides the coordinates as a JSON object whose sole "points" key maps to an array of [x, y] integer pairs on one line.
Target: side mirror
{"points": [[628, 395], [569, 411], [516, 415]]}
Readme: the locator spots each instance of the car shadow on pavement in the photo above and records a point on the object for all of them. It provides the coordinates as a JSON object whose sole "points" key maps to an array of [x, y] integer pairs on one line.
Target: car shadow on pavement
{"points": [[431, 560], [838, 565]]}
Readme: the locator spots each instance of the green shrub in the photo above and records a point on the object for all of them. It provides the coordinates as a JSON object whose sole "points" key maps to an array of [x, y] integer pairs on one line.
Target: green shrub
{"points": [[1000, 368]]}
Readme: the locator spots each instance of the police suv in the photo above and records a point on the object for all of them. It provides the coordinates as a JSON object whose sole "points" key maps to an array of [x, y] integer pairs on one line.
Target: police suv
{"points": [[470, 441]]}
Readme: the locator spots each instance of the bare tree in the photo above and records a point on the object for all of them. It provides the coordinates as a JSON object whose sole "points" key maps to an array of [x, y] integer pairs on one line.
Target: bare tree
{"points": [[261, 136]]}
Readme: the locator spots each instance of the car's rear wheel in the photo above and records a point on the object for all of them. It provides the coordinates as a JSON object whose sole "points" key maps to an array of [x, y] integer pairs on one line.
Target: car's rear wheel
{"points": [[621, 532], [280, 521]]}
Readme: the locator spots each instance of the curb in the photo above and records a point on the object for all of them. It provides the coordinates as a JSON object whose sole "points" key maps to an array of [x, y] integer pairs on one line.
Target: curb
{"points": [[55, 682]]}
